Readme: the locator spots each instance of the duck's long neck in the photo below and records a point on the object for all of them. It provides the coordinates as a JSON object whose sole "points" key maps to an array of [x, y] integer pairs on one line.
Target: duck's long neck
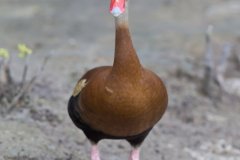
{"points": [[126, 62]]}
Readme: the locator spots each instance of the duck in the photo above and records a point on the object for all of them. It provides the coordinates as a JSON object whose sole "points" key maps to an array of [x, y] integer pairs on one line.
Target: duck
{"points": [[123, 101]]}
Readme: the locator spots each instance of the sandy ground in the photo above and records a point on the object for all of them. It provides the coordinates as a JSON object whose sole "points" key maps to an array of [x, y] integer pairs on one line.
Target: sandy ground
{"points": [[79, 35]]}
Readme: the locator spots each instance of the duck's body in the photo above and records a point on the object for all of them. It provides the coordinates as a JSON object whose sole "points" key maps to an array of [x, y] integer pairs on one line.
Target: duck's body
{"points": [[123, 101]]}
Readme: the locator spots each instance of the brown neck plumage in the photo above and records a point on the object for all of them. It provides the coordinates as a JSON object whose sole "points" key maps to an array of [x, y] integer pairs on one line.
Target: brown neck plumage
{"points": [[126, 62]]}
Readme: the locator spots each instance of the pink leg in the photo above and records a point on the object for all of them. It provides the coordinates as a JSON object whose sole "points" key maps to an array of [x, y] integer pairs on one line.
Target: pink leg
{"points": [[135, 154], [95, 153]]}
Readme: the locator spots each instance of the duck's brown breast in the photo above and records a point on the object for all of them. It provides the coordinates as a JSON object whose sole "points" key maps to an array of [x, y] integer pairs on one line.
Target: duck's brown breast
{"points": [[122, 107]]}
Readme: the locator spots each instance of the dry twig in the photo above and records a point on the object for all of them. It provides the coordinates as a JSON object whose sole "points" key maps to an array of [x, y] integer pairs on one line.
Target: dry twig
{"points": [[208, 69], [27, 87]]}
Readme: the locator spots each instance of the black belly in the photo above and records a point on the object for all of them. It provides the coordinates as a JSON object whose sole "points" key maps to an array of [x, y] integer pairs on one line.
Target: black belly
{"points": [[94, 135]]}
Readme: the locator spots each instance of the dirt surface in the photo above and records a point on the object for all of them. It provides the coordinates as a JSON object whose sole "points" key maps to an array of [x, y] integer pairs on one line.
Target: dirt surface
{"points": [[79, 35]]}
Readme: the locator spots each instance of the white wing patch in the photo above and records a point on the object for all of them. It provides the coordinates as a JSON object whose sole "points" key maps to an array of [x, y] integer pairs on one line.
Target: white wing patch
{"points": [[80, 85]]}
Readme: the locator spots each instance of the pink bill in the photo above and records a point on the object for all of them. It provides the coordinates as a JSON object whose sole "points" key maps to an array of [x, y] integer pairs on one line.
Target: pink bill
{"points": [[117, 7]]}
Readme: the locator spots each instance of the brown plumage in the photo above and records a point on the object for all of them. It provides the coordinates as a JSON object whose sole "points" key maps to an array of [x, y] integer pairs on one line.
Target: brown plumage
{"points": [[120, 101], [125, 99]]}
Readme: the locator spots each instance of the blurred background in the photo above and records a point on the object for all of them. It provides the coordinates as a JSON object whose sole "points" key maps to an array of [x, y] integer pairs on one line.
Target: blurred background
{"points": [[202, 77]]}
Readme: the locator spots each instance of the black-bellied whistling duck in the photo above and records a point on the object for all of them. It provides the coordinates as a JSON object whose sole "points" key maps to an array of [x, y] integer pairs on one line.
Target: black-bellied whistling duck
{"points": [[123, 101]]}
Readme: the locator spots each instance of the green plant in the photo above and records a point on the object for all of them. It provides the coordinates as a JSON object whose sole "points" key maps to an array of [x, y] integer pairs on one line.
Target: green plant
{"points": [[4, 66], [14, 92], [4, 53]]}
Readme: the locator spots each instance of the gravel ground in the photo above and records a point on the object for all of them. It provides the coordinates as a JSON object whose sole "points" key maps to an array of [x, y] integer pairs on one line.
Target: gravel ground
{"points": [[79, 35]]}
